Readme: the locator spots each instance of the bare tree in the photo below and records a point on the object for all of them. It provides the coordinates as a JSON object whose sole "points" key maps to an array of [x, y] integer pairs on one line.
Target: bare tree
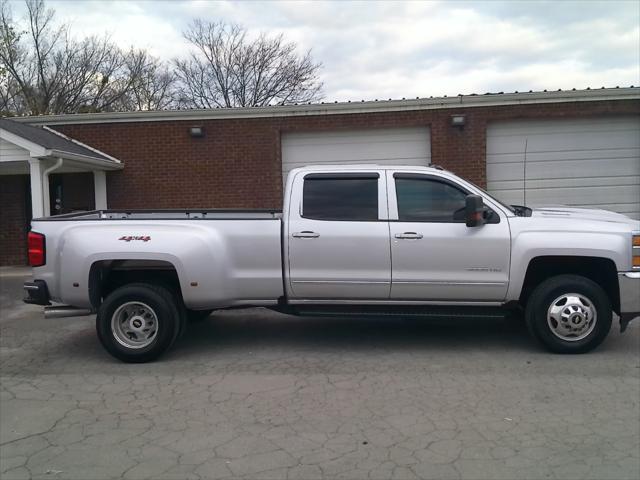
{"points": [[43, 70], [229, 70], [153, 87], [10, 98]]}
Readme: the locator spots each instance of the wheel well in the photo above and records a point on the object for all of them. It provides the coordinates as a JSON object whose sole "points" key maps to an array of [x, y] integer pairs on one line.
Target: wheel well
{"points": [[597, 269], [107, 275]]}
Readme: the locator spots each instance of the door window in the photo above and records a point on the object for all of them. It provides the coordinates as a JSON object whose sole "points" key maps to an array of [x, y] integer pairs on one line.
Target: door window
{"points": [[343, 198], [429, 200]]}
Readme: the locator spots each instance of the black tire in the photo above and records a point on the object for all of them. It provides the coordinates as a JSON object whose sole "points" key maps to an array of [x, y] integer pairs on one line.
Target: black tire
{"points": [[589, 293], [198, 316], [168, 321]]}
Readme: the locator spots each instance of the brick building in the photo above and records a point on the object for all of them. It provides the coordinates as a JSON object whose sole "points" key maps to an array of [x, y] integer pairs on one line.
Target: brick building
{"points": [[566, 147]]}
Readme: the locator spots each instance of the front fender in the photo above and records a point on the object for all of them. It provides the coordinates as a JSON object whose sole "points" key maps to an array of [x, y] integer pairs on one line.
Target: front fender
{"points": [[526, 246]]}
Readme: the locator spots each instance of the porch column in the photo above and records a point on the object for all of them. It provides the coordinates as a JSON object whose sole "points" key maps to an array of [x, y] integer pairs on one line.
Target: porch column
{"points": [[100, 189], [37, 192]]}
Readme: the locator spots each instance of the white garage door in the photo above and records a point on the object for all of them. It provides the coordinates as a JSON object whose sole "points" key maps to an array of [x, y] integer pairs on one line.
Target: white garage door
{"points": [[586, 162], [398, 146]]}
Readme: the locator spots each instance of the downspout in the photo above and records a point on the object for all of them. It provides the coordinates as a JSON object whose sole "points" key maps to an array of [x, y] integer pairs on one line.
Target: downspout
{"points": [[46, 207]]}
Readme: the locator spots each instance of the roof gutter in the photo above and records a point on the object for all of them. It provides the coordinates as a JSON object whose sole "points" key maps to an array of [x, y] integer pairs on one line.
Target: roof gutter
{"points": [[460, 101], [86, 160]]}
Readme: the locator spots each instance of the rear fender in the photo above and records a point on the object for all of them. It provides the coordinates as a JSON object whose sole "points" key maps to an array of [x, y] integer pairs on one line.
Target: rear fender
{"points": [[198, 256]]}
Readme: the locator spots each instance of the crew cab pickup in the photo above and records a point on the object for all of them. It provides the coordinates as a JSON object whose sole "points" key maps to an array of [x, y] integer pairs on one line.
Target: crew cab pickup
{"points": [[351, 240]]}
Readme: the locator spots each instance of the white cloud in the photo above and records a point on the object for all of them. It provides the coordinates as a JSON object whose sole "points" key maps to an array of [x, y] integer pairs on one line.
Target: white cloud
{"points": [[396, 49]]}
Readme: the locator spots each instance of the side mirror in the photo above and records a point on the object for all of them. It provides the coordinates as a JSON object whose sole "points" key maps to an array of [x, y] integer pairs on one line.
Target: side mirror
{"points": [[474, 210]]}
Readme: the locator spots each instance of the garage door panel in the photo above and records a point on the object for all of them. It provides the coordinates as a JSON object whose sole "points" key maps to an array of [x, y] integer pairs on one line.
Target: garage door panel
{"points": [[603, 154], [589, 168], [348, 136], [559, 142], [541, 126], [610, 195], [588, 162], [567, 182], [399, 146], [356, 152], [612, 198], [387, 162]]}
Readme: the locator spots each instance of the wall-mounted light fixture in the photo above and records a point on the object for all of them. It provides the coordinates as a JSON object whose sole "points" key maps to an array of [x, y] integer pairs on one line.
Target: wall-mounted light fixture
{"points": [[196, 132], [458, 121]]}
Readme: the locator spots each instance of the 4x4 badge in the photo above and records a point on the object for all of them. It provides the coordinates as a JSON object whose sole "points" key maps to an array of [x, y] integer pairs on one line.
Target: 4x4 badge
{"points": [[128, 238]]}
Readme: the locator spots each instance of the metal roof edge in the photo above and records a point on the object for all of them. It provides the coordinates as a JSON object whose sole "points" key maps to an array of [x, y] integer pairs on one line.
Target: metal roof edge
{"points": [[84, 145], [341, 108], [85, 159]]}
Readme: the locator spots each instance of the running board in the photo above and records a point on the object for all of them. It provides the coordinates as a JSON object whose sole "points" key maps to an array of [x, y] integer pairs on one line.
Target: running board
{"points": [[62, 311], [400, 311]]}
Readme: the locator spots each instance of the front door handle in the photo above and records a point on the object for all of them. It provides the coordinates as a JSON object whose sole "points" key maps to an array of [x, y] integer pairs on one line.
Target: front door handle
{"points": [[306, 234], [409, 235]]}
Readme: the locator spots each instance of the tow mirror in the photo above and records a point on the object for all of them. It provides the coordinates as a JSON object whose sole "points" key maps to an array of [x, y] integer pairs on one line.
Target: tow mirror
{"points": [[474, 210]]}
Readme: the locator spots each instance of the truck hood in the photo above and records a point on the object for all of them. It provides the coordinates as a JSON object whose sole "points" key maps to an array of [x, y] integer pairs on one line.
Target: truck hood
{"points": [[585, 214]]}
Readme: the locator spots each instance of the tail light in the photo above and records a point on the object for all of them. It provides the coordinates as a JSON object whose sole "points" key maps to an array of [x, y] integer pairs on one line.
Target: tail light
{"points": [[36, 248]]}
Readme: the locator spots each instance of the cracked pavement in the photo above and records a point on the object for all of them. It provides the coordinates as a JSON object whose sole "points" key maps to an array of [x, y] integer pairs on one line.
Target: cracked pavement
{"points": [[258, 395]]}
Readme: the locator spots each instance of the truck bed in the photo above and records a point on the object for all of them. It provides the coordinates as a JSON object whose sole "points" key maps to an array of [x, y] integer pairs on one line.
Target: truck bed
{"points": [[195, 214], [222, 258]]}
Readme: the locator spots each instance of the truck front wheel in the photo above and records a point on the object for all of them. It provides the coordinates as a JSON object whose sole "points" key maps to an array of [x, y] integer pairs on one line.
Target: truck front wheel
{"points": [[138, 322], [569, 314]]}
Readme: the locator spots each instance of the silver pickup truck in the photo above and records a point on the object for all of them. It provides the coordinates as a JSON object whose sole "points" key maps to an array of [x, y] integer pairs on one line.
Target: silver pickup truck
{"points": [[351, 240]]}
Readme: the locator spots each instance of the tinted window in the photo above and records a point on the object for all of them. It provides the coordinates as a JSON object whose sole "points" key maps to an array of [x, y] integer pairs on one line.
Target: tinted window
{"points": [[429, 201], [340, 198]]}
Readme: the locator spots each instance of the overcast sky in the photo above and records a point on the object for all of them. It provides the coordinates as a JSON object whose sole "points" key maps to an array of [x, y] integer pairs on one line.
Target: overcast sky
{"points": [[380, 50]]}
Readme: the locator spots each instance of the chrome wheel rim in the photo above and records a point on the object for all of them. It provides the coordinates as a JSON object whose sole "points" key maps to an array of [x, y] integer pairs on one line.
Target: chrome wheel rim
{"points": [[134, 325], [571, 317]]}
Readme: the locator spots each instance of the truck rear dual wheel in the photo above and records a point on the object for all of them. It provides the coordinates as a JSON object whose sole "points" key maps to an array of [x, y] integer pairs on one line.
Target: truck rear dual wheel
{"points": [[569, 314], [139, 322]]}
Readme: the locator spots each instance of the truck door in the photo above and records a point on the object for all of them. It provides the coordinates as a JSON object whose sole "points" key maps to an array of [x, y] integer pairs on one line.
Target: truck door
{"points": [[337, 237], [435, 256]]}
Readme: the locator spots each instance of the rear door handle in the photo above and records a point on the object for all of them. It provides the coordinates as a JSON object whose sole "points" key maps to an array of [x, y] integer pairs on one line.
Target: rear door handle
{"points": [[409, 235], [306, 234]]}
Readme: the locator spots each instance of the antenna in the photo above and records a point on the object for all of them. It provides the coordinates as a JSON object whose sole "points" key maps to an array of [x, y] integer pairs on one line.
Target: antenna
{"points": [[524, 171]]}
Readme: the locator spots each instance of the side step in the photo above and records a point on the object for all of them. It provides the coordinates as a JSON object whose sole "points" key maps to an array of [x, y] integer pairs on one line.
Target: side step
{"points": [[434, 311], [62, 311]]}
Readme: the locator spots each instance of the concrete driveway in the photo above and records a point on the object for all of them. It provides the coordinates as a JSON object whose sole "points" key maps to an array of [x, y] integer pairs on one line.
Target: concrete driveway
{"points": [[259, 395]]}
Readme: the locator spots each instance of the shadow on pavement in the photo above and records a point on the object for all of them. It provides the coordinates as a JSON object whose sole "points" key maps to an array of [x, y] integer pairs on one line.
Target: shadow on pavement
{"points": [[353, 333]]}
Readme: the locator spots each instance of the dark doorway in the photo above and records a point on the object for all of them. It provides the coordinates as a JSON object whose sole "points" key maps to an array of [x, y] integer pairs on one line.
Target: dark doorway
{"points": [[71, 192]]}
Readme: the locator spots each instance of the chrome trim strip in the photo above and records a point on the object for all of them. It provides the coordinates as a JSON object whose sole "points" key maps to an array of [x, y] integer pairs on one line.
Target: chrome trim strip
{"points": [[635, 275], [399, 282], [257, 303], [349, 282], [391, 302], [420, 282]]}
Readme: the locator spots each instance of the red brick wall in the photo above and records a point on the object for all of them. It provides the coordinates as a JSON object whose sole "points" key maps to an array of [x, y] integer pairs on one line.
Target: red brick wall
{"points": [[13, 219], [237, 164]]}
